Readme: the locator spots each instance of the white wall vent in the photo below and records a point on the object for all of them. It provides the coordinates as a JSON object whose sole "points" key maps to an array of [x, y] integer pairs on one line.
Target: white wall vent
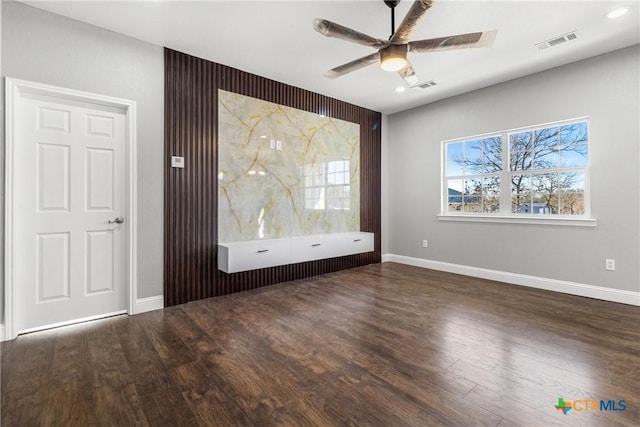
{"points": [[555, 41], [425, 85]]}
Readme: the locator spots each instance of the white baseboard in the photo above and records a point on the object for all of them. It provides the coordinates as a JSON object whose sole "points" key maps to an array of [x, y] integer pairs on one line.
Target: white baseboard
{"points": [[572, 288], [2, 338], [142, 305]]}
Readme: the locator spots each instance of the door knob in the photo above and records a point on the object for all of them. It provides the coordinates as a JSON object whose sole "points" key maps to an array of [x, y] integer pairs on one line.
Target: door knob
{"points": [[118, 220]]}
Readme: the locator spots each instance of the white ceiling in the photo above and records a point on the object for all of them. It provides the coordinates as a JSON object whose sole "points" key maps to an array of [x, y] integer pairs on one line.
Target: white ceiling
{"points": [[275, 39]]}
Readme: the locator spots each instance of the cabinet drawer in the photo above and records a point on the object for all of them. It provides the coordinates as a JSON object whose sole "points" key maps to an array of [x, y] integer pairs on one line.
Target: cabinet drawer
{"points": [[309, 248], [243, 256], [351, 243]]}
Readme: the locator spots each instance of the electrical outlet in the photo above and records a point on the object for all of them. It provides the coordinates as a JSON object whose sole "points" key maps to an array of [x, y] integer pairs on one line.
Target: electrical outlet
{"points": [[610, 264], [425, 244]]}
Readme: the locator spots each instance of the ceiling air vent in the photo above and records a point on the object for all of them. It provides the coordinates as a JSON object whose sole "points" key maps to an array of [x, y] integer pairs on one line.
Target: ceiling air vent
{"points": [[557, 40], [426, 84]]}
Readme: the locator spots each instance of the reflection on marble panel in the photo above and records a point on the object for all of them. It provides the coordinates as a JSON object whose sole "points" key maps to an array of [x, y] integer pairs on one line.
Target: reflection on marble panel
{"points": [[284, 172]]}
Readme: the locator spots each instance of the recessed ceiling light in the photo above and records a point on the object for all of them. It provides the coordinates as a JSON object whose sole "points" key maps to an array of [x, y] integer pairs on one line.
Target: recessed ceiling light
{"points": [[400, 89], [618, 12]]}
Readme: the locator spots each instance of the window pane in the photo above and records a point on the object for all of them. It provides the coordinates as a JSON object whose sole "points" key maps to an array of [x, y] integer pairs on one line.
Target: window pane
{"points": [[493, 154], [545, 196], [573, 134], [572, 181], [576, 156], [472, 187], [520, 141], [571, 193], [454, 150], [474, 148], [572, 204], [474, 157], [473, 165], [545, 158], [545, 148], [520, 151], [472, 207], [454, 167], [455, 187], [454, 204], [472, 195], [546, 138], [491, 195], [454, 195], [521, 194]]}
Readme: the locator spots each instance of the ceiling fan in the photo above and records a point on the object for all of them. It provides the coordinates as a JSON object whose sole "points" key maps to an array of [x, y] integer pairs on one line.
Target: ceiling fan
{"points": [[392, 53]]}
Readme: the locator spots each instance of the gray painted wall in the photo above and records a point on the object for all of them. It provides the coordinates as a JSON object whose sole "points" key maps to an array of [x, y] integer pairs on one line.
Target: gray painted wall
{"points": [[47, 48], [384, 210], [606, 89], [1, 181]]}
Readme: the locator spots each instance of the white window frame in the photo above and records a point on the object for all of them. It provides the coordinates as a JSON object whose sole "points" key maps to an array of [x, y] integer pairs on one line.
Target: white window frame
{"points": [[505, 215]]}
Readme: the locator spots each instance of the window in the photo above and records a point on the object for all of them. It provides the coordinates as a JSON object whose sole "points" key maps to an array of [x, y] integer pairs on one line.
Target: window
{"points": [[327, 185], [531, 172]]}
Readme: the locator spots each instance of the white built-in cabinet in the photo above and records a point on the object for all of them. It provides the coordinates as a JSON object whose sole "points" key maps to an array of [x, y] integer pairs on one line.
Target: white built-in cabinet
{"points": [[234, 257]]}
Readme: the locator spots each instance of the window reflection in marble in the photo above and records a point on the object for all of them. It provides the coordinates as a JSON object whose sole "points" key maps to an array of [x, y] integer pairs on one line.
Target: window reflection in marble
{"points": [[327, 185], [284, 172]]}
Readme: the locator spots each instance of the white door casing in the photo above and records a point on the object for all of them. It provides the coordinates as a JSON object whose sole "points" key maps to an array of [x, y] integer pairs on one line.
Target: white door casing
{"points": [[70, 169]]}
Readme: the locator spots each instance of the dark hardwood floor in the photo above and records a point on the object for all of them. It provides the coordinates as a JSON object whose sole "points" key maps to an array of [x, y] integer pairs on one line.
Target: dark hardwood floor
{"points": [[382, 345]]}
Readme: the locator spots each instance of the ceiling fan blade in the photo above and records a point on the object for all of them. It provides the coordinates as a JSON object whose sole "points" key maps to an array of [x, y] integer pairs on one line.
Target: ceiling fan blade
{"points": [[331, 29], [353, 65], [411, 21], [460, 41], [409, 75]]}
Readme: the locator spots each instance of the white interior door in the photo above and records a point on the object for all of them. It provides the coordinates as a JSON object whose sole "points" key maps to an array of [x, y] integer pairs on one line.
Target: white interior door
{"points": [[70, 182]]}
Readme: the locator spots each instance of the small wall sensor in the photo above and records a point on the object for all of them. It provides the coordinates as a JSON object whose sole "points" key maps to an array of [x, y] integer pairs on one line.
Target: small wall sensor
{"points": [[177, 162]]}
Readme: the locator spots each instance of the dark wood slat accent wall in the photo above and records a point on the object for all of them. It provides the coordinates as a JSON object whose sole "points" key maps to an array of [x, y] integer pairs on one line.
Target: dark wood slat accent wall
{"points": [[191, 194]]}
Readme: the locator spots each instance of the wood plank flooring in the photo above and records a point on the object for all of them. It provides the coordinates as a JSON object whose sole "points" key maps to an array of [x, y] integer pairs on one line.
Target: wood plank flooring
{"points": [[381, 345]]}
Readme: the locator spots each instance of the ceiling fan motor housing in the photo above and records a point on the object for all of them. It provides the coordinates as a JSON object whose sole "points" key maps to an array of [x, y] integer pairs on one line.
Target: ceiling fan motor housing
{"points": [[393, 57]]}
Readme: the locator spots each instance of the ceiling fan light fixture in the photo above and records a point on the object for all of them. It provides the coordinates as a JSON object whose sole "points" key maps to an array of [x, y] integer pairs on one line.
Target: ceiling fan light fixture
{"points": [[393, 57]]}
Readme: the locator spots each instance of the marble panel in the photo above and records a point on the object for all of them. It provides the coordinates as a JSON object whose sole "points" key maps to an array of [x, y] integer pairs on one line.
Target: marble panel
{"points": [[284, 172]]}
